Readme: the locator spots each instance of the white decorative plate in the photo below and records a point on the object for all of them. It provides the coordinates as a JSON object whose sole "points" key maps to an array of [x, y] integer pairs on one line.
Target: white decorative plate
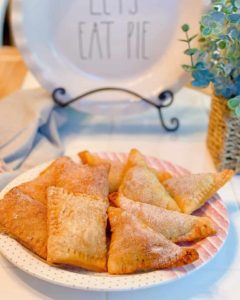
{"points": [[84, 45], [85, 280]]}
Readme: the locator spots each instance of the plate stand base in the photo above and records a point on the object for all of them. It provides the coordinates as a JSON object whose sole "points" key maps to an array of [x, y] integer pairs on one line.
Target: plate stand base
{"points": [[165, 99]]}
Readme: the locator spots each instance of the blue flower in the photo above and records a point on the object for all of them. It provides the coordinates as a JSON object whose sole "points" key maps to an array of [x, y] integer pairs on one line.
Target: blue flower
{"points": [[202, 77], [200, 65], [213, 23], [234, 18], [218, 59], [233, 32], [237, 84], [225, 87], [216, 55]]}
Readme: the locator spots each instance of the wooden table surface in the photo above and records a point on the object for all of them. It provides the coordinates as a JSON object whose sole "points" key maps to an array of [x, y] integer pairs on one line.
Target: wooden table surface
{"points": [[12, 70]]}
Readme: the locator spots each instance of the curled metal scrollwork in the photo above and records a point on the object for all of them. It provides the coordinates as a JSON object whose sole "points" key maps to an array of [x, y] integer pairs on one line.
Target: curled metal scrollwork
{"points": [[166, 99]]}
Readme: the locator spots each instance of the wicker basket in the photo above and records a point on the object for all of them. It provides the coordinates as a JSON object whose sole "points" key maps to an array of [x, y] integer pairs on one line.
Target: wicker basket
{"points": [[224, 135]]}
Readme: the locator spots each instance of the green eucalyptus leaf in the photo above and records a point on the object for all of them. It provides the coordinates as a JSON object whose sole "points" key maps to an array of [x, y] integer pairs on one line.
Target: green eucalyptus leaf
{"points": [[206, 31], [222, 44], [187, 68], [185, 27], [237, 3], [228, 9], [219, 50], [185, 41], [191, 51], [192, 37], [237, 111], [234, 102]]}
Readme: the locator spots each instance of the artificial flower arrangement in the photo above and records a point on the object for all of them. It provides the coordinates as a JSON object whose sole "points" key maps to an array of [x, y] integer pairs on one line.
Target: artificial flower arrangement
{"points": [[217, 62]]}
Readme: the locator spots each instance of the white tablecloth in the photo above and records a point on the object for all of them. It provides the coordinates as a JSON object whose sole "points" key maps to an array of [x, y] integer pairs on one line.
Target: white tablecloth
{"points": [[219, 279]]}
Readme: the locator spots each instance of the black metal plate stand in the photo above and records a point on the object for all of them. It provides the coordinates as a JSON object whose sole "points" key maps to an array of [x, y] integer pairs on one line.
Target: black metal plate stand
{"points": [[165, 98]]}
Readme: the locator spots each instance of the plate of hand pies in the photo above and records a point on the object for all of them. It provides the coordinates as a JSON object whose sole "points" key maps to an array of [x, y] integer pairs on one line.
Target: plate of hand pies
{"points": [[112, 221]]}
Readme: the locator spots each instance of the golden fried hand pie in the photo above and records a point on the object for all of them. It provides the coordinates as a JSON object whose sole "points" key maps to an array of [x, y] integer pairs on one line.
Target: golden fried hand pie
{"points": [[115, 172], [175, 226], [136, 158], [76, 230], [192, 191], [75, 178], [135, 246], [163, 176], [25, 219], [141, 184], [37, 188], [2, 230], [90, 180], [118, 168]]}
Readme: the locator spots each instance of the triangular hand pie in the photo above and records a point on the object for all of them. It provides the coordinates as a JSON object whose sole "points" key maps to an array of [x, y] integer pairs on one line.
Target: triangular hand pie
{"points": [[136, 247], [76, 230], [118, 168], [192, 191], [136, 158], [90, 180], [163, 176], [37, 188], [175, 226], [25, 219], [76, 178], [115, 172], [141, 184]]}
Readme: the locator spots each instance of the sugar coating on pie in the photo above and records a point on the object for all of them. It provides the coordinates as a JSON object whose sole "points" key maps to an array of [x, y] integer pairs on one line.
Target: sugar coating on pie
{"points": [[175, 226], [90, 180], [115, 172], [136, 247], [25, 219], [74, 177], [62, 214], [117, 168], [142, 185], [37, 188], [192, 191], [76, 230], [136, 158]]}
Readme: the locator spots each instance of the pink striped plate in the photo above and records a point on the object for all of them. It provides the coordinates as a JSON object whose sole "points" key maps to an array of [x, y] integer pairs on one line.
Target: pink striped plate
{"points": [[85, 280]]}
